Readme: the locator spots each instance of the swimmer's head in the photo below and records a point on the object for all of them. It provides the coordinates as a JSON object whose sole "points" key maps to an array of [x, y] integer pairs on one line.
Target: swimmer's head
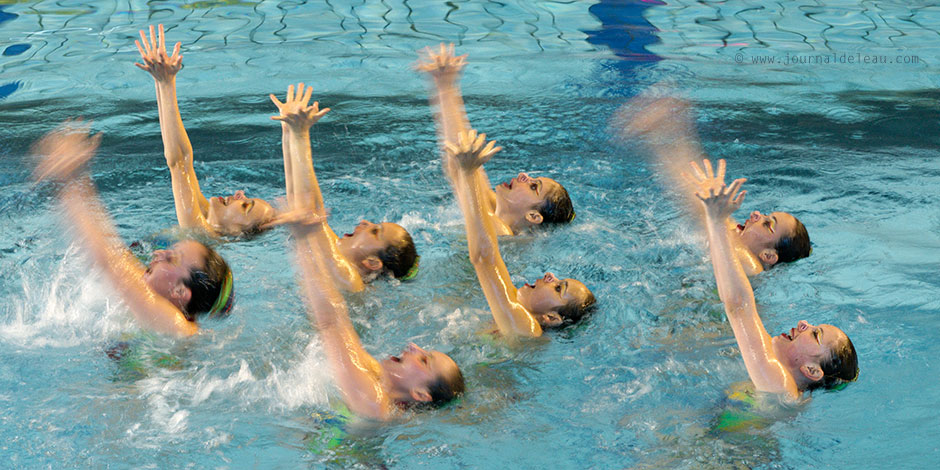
{"points": [[528, 201], [818, 356], [237, 215], [191, 276], [556, 302], [774, 238], [378, 248], [417, 376]]}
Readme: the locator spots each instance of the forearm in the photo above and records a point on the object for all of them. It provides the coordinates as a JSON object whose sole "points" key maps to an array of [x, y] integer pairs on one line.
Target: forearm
{"points": [[102, 243], [176, 145], [288, 167], [733, 285], [304, 177], [451, 114]]}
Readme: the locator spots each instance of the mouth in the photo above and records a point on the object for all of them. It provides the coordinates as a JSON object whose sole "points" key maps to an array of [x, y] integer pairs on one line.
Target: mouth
{"points": [[788, 336], [530, 285], [394, 358], [223, 200], [347, 235]]}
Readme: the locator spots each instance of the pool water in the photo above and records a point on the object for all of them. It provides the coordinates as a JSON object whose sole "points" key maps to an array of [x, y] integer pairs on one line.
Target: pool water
{"points": [[851, 149]]}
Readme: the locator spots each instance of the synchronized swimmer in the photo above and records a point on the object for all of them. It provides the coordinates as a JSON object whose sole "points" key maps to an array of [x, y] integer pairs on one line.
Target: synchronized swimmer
{"points": [[370, 250], [190, 278], [763, 240]]}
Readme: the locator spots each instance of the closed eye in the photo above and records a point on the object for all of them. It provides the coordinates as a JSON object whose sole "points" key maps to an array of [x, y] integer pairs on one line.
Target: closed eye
{"points": [[816, 336]]}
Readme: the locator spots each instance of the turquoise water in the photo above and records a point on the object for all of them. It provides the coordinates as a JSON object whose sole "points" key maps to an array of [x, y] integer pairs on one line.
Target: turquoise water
{"points": [[849, 148]]}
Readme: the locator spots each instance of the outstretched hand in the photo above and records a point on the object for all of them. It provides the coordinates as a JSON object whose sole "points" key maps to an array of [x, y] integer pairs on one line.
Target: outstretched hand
{"points": [[294, 109], [442, 64], [156, 61], [469, 151], [720, 200], [64, 152]]}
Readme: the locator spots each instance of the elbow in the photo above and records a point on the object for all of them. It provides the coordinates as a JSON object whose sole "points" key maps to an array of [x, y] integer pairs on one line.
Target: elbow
{"points": [[481, 257]]}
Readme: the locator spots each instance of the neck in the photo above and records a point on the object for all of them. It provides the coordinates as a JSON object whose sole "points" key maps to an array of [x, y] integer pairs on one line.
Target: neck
{"points": [[400, 397], [780, 351], [509, 221]]}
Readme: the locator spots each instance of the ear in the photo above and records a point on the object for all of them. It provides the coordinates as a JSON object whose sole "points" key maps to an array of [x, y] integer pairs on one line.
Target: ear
{"points": [[420, 395], [533, 217], [551, 319], [181, 295], [812, 371], [768, 256], [372, 263]]}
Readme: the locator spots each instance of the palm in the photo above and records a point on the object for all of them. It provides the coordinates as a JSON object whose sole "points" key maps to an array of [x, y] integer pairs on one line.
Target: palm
{"points": [[443, 63], [155, 59], [294, 111], [470, 151]]}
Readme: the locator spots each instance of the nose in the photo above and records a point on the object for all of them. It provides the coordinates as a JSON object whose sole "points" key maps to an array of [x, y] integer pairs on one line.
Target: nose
{"points": [[803, 325], [523, 177], [755, 216], [414, 348], [239, 195], [549, 277]]}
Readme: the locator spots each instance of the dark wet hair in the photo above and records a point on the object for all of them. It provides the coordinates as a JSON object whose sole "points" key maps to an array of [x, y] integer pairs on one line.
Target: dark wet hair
{"points": [[795, 246], [839, 368], [205, 284], [398, 258], [556, 208], [575, 310], [445, 388]]}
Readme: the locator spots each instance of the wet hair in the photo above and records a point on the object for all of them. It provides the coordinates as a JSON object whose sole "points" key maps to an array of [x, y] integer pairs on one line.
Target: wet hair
{"points": [[256, 229], [795, 246], [556, 208], [445, 388], [205, 284], [399, 257], [575, 310], [839, 368]]}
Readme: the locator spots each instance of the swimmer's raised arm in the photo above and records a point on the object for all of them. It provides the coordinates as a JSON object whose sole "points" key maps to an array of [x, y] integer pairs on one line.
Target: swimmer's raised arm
{"points": [[64, 153], [444, 68], [511, 317], [358, 374], [718, 202], [665, 127], [191, 205], [303, 189], [298, 118]]}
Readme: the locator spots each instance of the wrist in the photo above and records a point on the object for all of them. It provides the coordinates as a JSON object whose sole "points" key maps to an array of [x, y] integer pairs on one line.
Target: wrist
{"points": [[165, 82]]}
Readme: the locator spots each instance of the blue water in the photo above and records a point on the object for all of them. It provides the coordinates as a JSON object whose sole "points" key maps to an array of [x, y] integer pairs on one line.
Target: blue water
{"points": [[849, 148]]}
